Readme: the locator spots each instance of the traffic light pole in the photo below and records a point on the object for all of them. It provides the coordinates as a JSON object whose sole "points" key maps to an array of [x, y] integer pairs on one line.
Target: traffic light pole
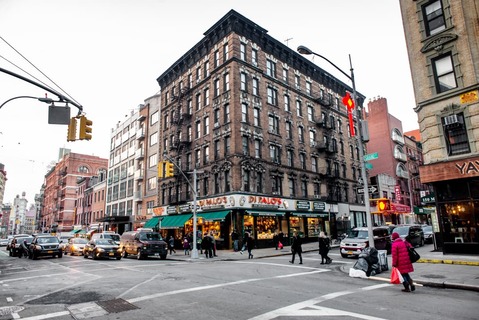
{"points": [[305, 50]]}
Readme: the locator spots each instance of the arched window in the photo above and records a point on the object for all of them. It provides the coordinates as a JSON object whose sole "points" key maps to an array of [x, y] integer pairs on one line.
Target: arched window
{"points": [[83, 169]]}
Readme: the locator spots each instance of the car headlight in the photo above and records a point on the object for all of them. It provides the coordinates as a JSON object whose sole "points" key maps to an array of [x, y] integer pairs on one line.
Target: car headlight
{"points": [[343, 243], [100, 249], [37, 247], [363, 245]]}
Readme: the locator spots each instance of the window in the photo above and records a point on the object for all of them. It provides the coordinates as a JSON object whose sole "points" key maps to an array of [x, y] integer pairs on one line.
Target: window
{"points": [[287, 106], [255, 87], [189, 160], [299, 109], [217, 58], [455, 134], [314, 164], [302, 161], [297, 82], [206, 155], [246, 180], [244, 86], [317, 189], [245, 145], [225, 52], [153, 139], [154, 118], [444, 76], [217, 149], [276, 185], [285, 75], [217, 183], [217, 87], [301, 134], [308, 87], [291, 187], [206, 126], [206, 69], [190, 133], [271, 68], [272, 96], [343, 167], [166, 121], [289, 157], [198, 102], [257, 148], [310, 113], [198, 74], [83, 169], [312, 138], [434, 18], [259, 182], [227, 113], [227, 145], [304, 189], [273, 124], [152, 160], [226, 82], [152, 183], [254, 57], [243, 51], [207, 97], [197, 158], [190, 106], [227, 181], [198, 129], [256, 115], [244, 112], [289, 134], [190, 80], [274, 152]]}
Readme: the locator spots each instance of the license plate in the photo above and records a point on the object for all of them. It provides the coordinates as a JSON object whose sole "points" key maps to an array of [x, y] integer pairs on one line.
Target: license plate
{"points": [[50, 251], [350, 252], [111, 254], [157, 254]]}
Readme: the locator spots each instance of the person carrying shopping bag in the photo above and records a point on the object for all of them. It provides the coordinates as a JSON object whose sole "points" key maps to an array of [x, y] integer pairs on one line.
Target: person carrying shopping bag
{"points": [[401, 261]]}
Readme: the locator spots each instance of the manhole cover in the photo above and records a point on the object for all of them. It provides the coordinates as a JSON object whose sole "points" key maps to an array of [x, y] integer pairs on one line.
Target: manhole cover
{"points": [[433, 276], [116, 305]]}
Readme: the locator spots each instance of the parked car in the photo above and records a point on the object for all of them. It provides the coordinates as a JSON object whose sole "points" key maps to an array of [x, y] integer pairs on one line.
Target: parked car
{"points": [[102, 248], [75, 246], [44, 245], [358, 239], [63, 238], [143, 243], [412, 233], [17, 246], [11, 239], [3, 242], [107, 235], [428, 234]]}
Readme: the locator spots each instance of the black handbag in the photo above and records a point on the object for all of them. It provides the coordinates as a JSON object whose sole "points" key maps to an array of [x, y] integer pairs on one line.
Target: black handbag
{"points": [[413, 255]]}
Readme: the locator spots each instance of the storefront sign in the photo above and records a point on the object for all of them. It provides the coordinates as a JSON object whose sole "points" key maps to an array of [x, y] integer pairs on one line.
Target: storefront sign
{"points": [[184, 208], [449, 170], [469, 97], [158, 211], [397, 191], [431, 198], [319, 206], [264, 202], [213, 203], [303, 205], [171, 210]]}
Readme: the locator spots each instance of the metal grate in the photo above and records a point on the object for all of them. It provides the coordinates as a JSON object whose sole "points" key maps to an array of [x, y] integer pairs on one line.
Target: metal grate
{"points": [[116, 305]]}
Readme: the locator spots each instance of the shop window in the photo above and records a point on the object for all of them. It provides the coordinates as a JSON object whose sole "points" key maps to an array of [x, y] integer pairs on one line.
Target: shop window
{"points": [[266, 227]]}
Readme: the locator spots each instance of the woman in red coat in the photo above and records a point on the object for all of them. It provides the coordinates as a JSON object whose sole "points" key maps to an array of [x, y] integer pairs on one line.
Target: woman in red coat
{"points": [[400, 255]]}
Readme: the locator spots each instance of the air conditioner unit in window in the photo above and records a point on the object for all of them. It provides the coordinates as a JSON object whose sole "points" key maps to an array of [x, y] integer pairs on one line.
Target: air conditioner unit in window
{"points": [[451, 119], [217, 124]]}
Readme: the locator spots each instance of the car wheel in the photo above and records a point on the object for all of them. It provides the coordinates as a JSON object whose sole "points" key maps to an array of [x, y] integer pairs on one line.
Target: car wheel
{"points": [[34, 256], [85, 255], [118, 258], [60, 255], [163, 256], [124, 253], [139, 256], [422, 242]]}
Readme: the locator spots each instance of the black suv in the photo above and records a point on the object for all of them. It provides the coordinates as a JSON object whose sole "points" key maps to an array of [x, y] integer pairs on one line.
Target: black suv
{"points": [[44, 245], [412, 233]]}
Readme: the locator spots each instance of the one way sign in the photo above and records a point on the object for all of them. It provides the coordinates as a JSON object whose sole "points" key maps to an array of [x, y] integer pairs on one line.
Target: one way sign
{"points": [[371, 189]]}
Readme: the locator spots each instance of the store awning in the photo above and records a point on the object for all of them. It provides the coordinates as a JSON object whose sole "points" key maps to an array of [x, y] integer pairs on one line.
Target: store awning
{"points": [[311, 214], [79, 231], [265, 213], [213, 216], [174, 221], [152, 223], [400, 208]]}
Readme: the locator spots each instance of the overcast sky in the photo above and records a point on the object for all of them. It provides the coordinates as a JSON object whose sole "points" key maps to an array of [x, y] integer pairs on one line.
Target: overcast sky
{"points": [[107, 54]]}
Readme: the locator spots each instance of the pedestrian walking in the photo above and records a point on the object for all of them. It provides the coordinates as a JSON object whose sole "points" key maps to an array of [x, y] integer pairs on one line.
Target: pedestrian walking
{"points": [[324, 247], [281, 238], [296, 248], [400, 260], [186, 246], [250, 245], [235, 239], [213, 243], [171, 245], [207, 245], [276, 240]]}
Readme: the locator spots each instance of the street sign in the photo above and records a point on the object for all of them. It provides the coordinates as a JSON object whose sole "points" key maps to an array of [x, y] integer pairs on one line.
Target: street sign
{"points": [[368, 165], [370, 156], [371, 189]]}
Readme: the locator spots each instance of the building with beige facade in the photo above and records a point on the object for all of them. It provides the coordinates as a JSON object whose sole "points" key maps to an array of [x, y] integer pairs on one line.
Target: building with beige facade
{"points": [[442, 38]]}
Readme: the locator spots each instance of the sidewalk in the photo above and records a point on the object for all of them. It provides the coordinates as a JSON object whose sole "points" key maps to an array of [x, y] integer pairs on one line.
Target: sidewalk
{"points": [[434, 269]]}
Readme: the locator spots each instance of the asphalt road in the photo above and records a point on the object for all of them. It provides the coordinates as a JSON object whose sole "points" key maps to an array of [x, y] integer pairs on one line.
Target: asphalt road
{"points": [[269, 288]]}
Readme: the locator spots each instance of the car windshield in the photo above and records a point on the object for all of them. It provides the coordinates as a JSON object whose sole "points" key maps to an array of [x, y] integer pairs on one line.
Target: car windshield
{"points": [[105, 242], [113, 237], [403, 231], [79, 241], [362, 234], [28, 239], [150, 236], [427, 229], [48, 240]]}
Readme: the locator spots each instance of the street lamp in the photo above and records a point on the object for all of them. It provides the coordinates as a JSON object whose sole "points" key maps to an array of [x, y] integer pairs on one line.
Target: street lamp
{"points": [[306, 51]]}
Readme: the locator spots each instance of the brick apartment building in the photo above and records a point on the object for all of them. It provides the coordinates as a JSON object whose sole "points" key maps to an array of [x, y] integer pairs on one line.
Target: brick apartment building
{"points": [[442, 38], [266, 131]]}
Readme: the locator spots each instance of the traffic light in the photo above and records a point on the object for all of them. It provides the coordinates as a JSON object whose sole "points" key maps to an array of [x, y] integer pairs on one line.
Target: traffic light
{"points": [[161, 169], [85, 128], [72, 130], [348, 101], [384, 205], [170, 169]]}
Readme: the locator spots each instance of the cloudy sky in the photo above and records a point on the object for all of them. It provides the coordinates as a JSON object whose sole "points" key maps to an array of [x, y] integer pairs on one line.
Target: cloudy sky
{"points": [[107, 54]]}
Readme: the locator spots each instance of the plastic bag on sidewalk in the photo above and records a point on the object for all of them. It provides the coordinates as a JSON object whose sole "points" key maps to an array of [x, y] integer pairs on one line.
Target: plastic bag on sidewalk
{"points": [[361, 264], [355, 273], [280, 245]]}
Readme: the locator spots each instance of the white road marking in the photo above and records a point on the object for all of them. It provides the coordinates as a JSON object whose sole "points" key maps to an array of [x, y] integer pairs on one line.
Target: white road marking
{"points": [[48, 315], [139, 284], [9, 299]]}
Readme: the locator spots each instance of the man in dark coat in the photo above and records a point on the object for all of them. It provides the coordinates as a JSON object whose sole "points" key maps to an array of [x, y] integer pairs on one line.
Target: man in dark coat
{"points": [[296, 248]]}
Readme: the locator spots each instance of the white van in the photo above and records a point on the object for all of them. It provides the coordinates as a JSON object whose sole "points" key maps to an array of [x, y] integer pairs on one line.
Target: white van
{"points": [[107, 235]]}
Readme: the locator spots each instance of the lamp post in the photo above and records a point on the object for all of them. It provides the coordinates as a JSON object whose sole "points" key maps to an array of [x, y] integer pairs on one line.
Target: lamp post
{"points": [[304, 50]]}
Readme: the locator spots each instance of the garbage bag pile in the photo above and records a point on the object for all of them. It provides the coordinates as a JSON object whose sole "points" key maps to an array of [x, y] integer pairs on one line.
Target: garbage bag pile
{"points": [[368, 262]]}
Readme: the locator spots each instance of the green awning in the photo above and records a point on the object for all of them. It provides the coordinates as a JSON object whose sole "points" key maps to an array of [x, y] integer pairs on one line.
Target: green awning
{"points": [[152, 223], [310, 214], [213, 216], [265, 213], [79, 231], [175, 221]]}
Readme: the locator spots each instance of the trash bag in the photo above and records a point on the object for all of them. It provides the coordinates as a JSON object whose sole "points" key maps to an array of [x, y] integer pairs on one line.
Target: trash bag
{"points": [[355, 273], [370, 254], [374, 269], [361, 264]]}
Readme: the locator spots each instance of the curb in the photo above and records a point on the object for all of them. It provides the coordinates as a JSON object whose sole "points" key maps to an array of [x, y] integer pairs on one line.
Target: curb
{"points": [[444, 261]]}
